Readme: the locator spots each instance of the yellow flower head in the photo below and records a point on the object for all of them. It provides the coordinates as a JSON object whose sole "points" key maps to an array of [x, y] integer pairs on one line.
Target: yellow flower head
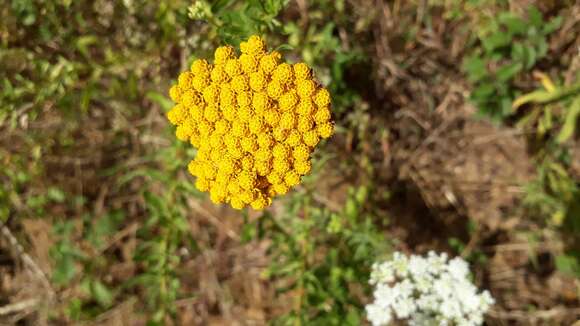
{"points": [[254, 120]]}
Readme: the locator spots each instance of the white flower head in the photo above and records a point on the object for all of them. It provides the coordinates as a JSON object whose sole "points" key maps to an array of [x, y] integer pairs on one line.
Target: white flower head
{"points": [[430, 290]]}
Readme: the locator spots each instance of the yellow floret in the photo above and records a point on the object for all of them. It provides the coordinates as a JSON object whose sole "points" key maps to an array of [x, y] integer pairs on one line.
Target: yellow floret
{"points": [[209, 171], [272, 117], [177, 115], [244, 99], [222, 126], [256, 124], [265, 140], [218, 75], [237, 203], [305, 107], [249, 63], [269, 62], [233, 187], [283, 73], [200, 82], [292, 178], [227, 165], [200, 67], [322, 115], [255, 46], [222, 54], [202, 184], [305, 123], [216, 140], [294, 138], [249, 144], [301, 152], [310, 138], [217, 195], [211, 94], [261, 103], [247, 196], [193, 168], [194, 139], [175, 93], [280, 188], [302, 71], [247, 162], [184, 80], [235, 151], [205, 128], [288, 101], [239, 128], [211, 113], [287, 120], [280, 134], [196, 113], [229, 112], [275, 89], [263, 154], [240, 84], [325, 130], [204, 144], [305, 88], [274, 177], [245, 113], [233, 67], [258, 81], [244, 47], [281, 165], [263, 167], [227, 97], [260, 203], [183, 131], [302, 167], [190, 98], [280, 151], [247, 180], [322, 97], [217, 153]]}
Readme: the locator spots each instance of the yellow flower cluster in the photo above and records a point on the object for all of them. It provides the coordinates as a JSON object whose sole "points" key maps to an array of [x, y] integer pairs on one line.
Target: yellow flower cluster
{"points": [[254, 120]]}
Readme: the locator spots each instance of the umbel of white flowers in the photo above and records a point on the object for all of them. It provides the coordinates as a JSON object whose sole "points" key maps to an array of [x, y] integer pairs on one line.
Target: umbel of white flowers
{"points": [[430, 290]]}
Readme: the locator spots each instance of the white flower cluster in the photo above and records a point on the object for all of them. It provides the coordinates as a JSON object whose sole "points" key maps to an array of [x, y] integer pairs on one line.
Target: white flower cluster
{"points": [[429, 290]]}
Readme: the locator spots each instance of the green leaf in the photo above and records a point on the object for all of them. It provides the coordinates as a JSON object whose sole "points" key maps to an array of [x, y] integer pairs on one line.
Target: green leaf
{"points": [[568, 264], [475, 67], [101, 294], [553, 25], [156, 97], [535, 17], [508, 71], [496, 40], [515, 25], [570, 122]]}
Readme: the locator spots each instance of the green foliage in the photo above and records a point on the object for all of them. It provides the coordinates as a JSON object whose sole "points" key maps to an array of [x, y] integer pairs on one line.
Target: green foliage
{"points": [[235, 20], [556, 195], [509, 46], [322, 257], [78, 257], [554, 107]]}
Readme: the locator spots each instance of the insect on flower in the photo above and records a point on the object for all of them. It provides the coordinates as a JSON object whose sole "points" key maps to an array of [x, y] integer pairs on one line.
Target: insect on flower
{"points": [[254, 120]]}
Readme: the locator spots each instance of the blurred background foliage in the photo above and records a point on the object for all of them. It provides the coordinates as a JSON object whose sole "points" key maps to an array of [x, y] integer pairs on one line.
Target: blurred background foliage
{"points": [[101, 223]]}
